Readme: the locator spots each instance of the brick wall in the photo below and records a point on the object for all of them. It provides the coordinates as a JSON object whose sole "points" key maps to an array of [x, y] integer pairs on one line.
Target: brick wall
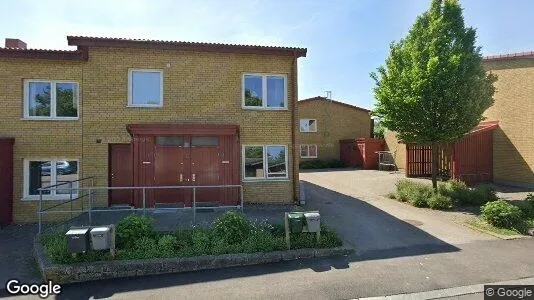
{"points": [[513, 141], [198, 88], [334, 122], [398, 149]]}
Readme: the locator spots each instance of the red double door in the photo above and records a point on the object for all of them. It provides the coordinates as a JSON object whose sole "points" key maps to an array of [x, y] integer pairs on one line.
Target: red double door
{"points": [[186, 161]]}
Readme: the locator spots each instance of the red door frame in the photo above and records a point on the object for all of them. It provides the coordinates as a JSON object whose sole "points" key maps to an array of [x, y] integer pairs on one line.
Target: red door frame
{"points": [[143, 150], [6, 181]]}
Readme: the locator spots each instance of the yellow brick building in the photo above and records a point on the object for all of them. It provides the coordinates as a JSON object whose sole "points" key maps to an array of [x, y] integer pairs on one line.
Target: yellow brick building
{"points": [[513, 140], [115, 83], [323, 122]]}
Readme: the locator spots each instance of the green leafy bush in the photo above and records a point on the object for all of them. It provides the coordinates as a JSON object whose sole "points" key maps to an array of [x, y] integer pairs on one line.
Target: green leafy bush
{"points": [[439, 201], [526, 206], [419, 195], [502, 214], [482, 194], [261, 241], [232, 226], [167, 244], [132, 228], [145, 247], [456, 190], [404, 189]]}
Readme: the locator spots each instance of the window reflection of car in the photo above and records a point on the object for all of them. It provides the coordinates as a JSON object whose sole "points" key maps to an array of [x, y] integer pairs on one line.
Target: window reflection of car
{"points": [[62, 168]]}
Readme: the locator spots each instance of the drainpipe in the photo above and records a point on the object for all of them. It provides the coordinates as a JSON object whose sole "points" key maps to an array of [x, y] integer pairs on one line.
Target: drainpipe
{"points": [[293, 125]]}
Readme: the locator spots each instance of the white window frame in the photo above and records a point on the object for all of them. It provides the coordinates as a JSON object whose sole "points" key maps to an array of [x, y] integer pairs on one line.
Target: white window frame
{"points": [[308, 151], [308, 120], [53, 102], [130, 91], [53, 178], [265, 164], [264, 92]]}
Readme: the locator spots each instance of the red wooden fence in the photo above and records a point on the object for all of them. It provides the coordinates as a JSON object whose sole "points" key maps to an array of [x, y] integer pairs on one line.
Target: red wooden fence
{"points": [[470, 159]]}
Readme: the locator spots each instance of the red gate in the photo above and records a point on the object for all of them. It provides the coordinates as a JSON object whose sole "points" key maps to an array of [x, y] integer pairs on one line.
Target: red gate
{"points": [[469, 159]]}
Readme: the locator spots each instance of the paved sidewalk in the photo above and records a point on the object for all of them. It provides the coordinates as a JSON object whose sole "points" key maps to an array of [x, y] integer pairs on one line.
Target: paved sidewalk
{"points": [[475, 291]]}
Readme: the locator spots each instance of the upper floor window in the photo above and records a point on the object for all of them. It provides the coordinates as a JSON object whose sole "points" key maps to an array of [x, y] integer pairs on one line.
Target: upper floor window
{"points": [[145, 88], [308, 125], [44, 99], [262, 91]]}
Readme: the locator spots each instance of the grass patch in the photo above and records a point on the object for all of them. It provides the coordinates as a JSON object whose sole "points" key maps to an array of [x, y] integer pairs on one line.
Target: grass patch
{"points": [[230, 233], [485, 226]]}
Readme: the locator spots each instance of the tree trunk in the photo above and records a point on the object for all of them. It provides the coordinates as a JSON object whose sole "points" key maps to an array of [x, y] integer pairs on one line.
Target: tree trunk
{"points": [[435, 150]]}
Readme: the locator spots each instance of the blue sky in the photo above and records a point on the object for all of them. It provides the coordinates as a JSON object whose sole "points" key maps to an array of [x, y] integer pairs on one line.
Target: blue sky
{"points": [[346, 40]]}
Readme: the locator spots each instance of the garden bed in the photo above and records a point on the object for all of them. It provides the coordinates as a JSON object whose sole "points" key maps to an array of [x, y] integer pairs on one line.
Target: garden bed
{"points": [[231, 241], [495, 216]]}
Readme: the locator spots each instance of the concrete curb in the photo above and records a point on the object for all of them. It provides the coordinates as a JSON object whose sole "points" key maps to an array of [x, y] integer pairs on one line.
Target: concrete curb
{"points": [[89, 271]]}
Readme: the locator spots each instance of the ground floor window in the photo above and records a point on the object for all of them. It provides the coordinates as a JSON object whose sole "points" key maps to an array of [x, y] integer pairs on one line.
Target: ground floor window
{"points": [[264, 161], [308, 151], [39, 173]]}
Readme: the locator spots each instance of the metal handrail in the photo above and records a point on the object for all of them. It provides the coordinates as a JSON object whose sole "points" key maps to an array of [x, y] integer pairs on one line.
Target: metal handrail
{"points": [[47, 188], [92, 188]]}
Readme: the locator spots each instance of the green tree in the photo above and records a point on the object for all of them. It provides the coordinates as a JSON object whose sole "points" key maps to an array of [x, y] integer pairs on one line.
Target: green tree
{"points": [[433, 88], [378, 129]]}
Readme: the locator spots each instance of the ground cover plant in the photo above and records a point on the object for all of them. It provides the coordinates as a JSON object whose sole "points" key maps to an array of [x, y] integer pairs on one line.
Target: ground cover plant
{"points": [[232, 232]]}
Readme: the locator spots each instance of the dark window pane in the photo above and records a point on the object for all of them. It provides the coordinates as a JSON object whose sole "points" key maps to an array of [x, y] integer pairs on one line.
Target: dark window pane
{"points": [[146, 88], [39, 173], [205, 141], [39, 99], [254, 162], [66, 101], [253, 90], [275, 91], [303, 150], [66, 171], [276, 161], [170, 140]]}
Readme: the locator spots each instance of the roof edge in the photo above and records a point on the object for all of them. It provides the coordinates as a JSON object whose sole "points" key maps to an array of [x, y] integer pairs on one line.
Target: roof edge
{"points": [[319, 98], [79, 54], [186, 46], [508, 56]]}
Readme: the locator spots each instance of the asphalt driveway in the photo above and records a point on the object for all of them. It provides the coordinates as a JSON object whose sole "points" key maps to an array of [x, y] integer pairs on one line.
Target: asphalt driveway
{"points": [[353, 201]]}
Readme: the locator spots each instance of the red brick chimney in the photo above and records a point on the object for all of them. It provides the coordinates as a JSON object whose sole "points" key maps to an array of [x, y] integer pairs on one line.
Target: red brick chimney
{"points": [[15, 43]]}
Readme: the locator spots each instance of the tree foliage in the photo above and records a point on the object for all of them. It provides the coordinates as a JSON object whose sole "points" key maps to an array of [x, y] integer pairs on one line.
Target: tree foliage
{"points": [[433, 87]]}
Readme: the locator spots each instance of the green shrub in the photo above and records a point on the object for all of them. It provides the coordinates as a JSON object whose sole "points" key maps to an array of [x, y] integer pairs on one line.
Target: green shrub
{"points": [[482, 194], [391, 196], [132, 228], [502, 214], [55, 245], [526, 206], [439, 201], [167, 244], [145, 247], [335, 164], [456, 190], [404, 188], [201, 240], [232, 227], [262, 241], [419, 195]]}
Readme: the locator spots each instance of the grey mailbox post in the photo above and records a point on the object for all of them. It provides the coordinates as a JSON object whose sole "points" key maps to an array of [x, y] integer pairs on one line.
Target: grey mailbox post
{"points": [[78, 240]]}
